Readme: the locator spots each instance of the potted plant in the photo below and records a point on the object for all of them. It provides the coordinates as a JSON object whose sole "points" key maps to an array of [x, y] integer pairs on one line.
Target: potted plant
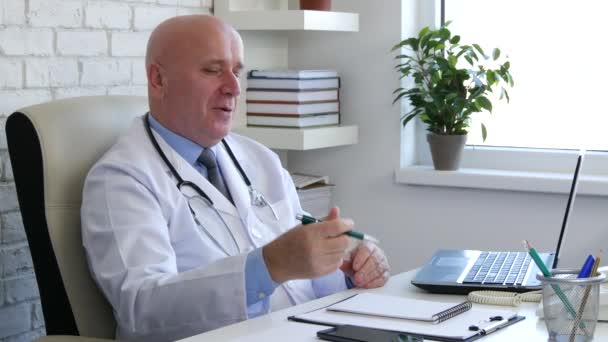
{"points": [[451, 82]]}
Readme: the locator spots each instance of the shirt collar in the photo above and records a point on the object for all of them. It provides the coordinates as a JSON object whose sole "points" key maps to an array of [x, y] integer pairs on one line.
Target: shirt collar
{"points": [[186, 148]]}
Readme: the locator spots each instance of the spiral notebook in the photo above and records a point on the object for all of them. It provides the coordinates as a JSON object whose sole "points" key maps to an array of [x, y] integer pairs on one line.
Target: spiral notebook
{"points": [[400, 307], [467, 325]]}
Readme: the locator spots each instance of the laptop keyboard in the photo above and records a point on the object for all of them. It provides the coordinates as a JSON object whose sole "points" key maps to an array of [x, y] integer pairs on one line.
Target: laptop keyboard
{"points": [[507, 268]]}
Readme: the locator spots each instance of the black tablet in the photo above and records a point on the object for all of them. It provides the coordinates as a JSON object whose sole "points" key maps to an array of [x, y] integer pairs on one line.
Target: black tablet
{"points": [[353, 333]]}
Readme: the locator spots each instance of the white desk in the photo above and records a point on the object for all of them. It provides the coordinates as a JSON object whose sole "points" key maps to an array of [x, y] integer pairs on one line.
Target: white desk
{"points": [[276, 327]]}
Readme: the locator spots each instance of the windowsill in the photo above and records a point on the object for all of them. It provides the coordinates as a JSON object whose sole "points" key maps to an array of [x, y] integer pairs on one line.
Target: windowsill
{"points": [[506, 180]]}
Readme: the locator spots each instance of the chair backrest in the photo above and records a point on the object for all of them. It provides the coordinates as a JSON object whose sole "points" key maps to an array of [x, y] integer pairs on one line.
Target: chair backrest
{"points": [[52, 146]]}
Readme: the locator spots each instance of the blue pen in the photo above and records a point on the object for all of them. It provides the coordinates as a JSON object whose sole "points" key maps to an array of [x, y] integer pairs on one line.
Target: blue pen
{"points": [[585, 271]]}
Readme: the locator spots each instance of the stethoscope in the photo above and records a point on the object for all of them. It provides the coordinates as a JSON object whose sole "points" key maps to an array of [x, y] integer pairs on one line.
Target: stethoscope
{"points": [[257, 199]]}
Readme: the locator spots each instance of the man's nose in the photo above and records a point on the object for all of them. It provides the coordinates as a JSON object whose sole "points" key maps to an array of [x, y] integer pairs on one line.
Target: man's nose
{"points": [[232, 85]]}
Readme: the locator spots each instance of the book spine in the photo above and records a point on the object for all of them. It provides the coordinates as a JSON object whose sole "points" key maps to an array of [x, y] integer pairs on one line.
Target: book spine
{"points": [[290, 78], [451, 312], [293, 73], [292, 115], [291, 126], [290, 90], [289, 102]]}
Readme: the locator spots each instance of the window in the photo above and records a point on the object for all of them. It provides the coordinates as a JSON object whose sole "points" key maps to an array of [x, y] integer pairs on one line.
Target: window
{"points": [[557, 53]]}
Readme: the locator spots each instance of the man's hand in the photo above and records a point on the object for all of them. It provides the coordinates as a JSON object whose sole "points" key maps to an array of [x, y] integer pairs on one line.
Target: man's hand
{"points": [[368, 267], [308, 251]]}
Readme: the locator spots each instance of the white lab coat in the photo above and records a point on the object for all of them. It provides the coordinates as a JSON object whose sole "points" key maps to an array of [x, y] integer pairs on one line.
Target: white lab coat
{"points": [[163, 276]]}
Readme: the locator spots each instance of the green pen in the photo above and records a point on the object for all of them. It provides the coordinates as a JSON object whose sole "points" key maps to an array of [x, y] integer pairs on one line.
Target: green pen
{"points": [[545, 271], [305, 219]]}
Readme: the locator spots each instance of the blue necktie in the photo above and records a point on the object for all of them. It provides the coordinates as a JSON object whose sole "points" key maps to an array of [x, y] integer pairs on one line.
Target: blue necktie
{"points": [[207, 159]]}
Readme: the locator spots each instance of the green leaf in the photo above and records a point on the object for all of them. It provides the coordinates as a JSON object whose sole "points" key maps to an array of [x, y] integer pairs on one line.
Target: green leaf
{"points": [[484, 132], [451, 96], [491, 77], [423, 32], [444, 33], [405, 71], [409, 118], [496, 53], [455, 39], [468, 58], [399, 97], [452, 60], [504, 93], [411, 42], [478, 48], [398, 90], [484, 103]]}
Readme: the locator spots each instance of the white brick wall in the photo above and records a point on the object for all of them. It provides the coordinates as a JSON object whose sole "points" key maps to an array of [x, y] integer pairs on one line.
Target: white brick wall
{"points": [[12, 73], [55, 13], [15, 99], [108, 71], [148, 17], [17, 41], [82, 43], [108, 15], [52, 72], [139, 74], [53, 49], [12, 12], [129, 43]]}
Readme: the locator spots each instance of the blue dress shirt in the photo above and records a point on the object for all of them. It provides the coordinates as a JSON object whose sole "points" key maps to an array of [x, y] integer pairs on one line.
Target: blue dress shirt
{"points": [[258, 283]]}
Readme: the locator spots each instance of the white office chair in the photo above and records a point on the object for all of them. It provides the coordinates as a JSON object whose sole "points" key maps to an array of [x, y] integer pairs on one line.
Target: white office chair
{"points": [[52, 146]]}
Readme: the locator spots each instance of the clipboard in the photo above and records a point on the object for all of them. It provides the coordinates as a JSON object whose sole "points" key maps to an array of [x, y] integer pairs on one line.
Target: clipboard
{"points": [[468, 326]]}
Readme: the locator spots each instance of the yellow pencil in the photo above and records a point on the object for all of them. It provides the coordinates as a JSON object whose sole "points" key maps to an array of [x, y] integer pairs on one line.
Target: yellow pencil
{"points": [[596, 264], [594, 273]]}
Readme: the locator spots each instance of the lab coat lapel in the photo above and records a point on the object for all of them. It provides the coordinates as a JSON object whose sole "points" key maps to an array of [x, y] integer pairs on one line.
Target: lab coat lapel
{"points": [[234, 181]]}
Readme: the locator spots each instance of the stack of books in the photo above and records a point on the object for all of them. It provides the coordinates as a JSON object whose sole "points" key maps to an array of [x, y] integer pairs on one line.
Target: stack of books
{"points": [[293, 98], [314, 193]]}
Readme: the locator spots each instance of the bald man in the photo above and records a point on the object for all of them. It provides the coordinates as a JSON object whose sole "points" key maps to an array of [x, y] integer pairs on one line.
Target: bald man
{"points": [[189, 227]]}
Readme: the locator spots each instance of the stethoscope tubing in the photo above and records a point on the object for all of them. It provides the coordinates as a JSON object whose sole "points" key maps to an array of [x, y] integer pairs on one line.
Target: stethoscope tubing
{"points": [[257, 199], [182, 183]]}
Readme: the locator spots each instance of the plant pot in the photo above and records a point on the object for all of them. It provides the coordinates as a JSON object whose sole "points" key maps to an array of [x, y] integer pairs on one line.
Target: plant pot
{"points": [[446, 150], [316, 5]]}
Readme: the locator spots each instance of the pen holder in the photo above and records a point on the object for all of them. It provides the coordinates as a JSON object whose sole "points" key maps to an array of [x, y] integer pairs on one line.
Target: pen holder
{"points": [[570, 305]]}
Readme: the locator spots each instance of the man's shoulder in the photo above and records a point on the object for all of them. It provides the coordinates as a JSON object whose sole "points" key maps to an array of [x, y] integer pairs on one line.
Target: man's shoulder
{"points": [[131, 147]]}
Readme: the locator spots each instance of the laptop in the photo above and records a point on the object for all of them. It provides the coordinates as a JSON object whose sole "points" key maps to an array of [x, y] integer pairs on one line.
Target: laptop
{"points": [[463, 271]]}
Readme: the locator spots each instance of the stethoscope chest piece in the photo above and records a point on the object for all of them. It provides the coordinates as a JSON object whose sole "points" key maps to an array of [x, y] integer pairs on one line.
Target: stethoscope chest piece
{"points": [[257, 199]]}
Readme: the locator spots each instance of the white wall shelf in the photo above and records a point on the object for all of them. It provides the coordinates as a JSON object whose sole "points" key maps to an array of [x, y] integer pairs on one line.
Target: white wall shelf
{"points": [[302, 139], [293, 20], [242, 16]]}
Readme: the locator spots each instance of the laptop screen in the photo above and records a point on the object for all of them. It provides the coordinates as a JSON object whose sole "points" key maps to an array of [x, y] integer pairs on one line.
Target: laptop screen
{"points": [[569, 206]]}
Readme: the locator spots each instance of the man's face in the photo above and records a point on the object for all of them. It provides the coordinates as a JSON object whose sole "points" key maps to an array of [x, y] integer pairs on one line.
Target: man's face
{"points": [[202, 85]]}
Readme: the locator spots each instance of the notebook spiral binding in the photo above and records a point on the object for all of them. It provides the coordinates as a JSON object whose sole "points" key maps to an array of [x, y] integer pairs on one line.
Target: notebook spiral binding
{"points": [[451, 312]]}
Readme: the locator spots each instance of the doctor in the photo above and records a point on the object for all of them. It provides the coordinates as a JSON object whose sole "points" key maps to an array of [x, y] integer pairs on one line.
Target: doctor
{"points": [[188, 227]]}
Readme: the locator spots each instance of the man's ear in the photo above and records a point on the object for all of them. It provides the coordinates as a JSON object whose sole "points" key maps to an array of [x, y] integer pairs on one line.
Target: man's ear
{"points": [[156, 79]]}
